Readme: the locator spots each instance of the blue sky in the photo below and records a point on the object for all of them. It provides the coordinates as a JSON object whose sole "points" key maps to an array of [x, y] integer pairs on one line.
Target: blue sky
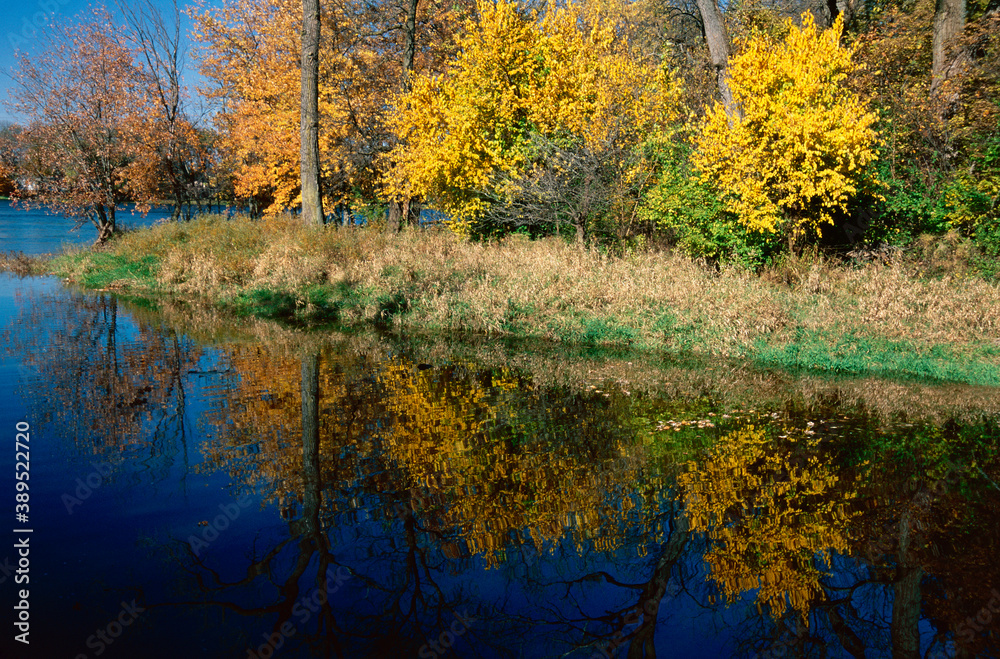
{"points": [[23, 21]]}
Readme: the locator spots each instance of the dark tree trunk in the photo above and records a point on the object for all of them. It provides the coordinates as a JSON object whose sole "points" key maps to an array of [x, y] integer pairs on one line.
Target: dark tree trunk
{"points": [[402, 213], [310, 444], [105, 223], [906, 597], [644, 641], [312, 201]]}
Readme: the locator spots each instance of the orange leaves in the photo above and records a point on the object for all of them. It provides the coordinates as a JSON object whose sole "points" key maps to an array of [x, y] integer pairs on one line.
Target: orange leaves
{"points": [[250, 50], [86, 99]]}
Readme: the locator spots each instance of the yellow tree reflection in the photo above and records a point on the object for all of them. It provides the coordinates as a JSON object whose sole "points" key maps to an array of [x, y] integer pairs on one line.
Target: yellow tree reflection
{"points": [[476, 462], [478, 458], [772, 516]]}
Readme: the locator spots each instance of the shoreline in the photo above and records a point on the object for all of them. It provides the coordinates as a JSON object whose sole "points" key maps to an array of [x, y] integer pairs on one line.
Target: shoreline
{"points": [[807, 313]]}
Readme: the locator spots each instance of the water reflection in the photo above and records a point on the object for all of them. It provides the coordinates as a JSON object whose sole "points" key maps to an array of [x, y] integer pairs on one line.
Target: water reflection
{"points": [[774, 511], [378, 497]]}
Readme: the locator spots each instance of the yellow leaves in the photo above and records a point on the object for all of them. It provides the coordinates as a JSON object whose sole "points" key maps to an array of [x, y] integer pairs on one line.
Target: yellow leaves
{"points": [[800, 149], [766, 517], [559, 75]]}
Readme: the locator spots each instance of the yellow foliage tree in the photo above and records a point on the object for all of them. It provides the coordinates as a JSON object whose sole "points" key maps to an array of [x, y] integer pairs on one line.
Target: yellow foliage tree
{"points": [[563, 75], [799, 148]]}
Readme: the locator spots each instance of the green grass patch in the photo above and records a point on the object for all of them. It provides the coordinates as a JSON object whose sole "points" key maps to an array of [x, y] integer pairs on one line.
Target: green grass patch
{"points": [[853, 354], [592, 330], [108, 270], [316, 305]]}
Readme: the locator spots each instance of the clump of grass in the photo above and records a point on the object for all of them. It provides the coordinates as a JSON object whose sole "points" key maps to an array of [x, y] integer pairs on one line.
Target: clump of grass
{"points": [[21, 264], [808, 311]]}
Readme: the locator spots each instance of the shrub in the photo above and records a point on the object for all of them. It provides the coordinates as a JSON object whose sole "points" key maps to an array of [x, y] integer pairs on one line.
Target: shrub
{"points": [[690, 214], [800, 147]]}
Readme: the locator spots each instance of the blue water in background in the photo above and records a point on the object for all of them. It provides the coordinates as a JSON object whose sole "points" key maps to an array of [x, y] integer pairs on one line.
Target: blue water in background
{"points": [[36, 231]]}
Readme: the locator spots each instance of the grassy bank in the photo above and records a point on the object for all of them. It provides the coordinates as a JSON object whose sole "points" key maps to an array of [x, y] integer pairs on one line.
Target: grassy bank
{"points": [[892, 318]]}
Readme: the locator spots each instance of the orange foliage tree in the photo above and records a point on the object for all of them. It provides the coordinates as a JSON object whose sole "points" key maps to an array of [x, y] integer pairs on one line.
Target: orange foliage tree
{"points": [[85, 99], [250, 51]]}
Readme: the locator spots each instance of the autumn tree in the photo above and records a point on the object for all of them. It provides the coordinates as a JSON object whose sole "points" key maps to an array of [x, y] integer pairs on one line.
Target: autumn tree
{"points": [[250, 50], [9, 158], [938, 167], [84, 97], [175, 159], [802, 148], [466, 137]]}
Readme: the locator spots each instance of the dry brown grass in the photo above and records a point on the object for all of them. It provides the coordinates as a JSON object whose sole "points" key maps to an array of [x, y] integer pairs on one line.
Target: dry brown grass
{"points": [[427, 279], [897, 300], [21, 264]]}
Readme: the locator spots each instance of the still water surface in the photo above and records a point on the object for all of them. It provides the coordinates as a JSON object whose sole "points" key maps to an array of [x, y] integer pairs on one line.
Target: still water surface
{"points": [[202, 487], [37, 231]]}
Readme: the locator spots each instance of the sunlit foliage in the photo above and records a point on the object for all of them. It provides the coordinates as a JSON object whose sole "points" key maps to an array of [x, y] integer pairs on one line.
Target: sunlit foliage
{"points": [[802, 145], [250, 51], [562, 75]]}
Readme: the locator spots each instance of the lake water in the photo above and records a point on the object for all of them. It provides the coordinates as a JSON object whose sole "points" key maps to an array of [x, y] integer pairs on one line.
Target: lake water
{"points": [[206, 487], [37, 231]]}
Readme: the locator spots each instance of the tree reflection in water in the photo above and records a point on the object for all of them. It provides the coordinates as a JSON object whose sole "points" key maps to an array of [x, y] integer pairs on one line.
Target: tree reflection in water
{"points": [[562, 518]]}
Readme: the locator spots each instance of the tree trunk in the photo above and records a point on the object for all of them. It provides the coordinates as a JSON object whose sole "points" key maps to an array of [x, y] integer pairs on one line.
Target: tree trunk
{"points": [[310, 445], [949, 20], [410, 42], [906, 597], [718, 48], [312, 201], [643, 644], [105, 223], [392, 224], [399, 210]]}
